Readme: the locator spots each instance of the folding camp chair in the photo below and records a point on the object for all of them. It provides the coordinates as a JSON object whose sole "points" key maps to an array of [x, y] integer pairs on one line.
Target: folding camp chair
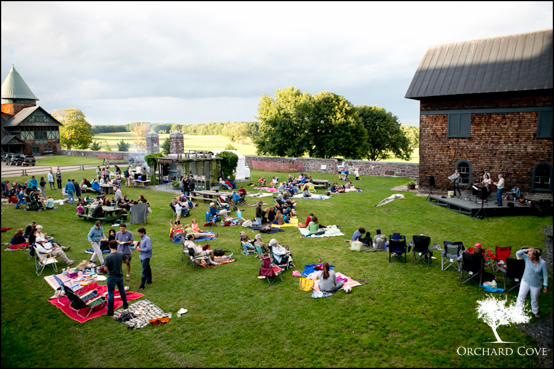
{"points": [[90, 300], [500, 254], [513, 272], [283, 264], [311, 188], [210, 218], [42, 260], [269, 270], [246, 250], [397, 245], [451, 254], [472, 268], [259, 251], [421, 250], [194, 259], [74, 287]]}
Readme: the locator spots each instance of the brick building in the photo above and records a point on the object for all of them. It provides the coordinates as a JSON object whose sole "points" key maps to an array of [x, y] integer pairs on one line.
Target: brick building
{"points": [[26, 127], [487, 104]]}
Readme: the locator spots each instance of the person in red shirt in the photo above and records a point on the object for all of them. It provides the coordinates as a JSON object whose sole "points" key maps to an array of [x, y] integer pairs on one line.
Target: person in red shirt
{"points": [[309, 219]]}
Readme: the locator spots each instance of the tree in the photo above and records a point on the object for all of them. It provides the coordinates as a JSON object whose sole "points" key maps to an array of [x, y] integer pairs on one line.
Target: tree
{"points": [[76, 131], [165, 147], [107, 146], [175, 127], [95, 146], [229, 163], [412, 132], [384, 134], [496, 313], [335, 129], [283, 123], [123, 146], [230, 147], [139, 134]]}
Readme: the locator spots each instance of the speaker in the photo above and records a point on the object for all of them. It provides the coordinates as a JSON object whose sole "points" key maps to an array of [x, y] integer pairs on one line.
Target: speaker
{"points": [[431, 180], [482, 193]]}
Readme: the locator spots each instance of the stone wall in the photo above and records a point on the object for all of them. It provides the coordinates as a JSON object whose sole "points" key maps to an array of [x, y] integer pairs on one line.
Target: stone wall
{"points": [[373, 168], [504, 143], [110, 155]]}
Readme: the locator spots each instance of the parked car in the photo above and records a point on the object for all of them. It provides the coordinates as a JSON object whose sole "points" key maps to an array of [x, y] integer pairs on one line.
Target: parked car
{"points": [[25, 160], [6, 157], [13, 159]]}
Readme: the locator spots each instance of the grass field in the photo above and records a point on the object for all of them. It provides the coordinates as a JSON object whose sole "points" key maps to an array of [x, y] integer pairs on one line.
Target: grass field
{"points": [[405, 316], [205, 143], [60, 160]]}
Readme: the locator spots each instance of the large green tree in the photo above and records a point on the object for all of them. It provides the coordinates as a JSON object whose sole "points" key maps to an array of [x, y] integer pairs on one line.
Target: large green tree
{"points": [[335, 129], [283, 123], [76, 131], [384, 134]]}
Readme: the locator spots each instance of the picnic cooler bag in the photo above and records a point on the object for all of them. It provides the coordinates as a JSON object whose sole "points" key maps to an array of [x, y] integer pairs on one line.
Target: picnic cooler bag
{"points": [[306, 284]]}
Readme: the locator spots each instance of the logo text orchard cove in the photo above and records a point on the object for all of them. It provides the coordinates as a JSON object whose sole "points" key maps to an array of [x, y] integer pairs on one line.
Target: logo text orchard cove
{"points": [[501, 351]]}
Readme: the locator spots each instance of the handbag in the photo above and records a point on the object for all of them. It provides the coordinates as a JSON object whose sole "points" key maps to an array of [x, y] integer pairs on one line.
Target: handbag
{"points": [[355, 246], [306, 284], [82, 265]]}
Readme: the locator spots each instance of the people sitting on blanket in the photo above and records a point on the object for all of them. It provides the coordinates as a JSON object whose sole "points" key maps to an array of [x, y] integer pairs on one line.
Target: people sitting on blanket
{"points": [[222, 213], [45, 247], [18, 240], [306, 191], [271, 214], [380, 240], [242, 193], [49, 203], [274, 181], [358, 234], [281, 219], [328, 280], [334, 188], [314, 227], [260, 213], [262, 182], [281, 254], [261, 244], [198, 251]]}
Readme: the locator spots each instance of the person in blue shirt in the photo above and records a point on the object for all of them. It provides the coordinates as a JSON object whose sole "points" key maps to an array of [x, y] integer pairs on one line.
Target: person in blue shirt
{"points": [[20, 198], [95, 235], [145, 255], [33, 182], [70, 191], [455, 179], [96, 187], [232, 182], [534, 275]]}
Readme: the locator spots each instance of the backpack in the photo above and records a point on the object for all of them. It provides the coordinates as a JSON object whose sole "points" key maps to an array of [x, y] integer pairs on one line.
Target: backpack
{"points": [[219, 252]]}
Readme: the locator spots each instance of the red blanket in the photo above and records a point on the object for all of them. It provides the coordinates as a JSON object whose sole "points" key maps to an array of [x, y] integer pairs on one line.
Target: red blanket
{"points": [[63, 303]]}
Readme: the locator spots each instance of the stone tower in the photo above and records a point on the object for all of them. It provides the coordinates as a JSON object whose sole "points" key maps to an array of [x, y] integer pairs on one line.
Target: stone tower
{"points": [[16, 95], [152, 143], [176, 143]]}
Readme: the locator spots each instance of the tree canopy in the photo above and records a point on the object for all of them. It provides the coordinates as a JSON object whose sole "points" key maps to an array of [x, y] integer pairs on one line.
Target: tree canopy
{"points": [[139, 134], [229, 163], [76, 131], [384, 134]]}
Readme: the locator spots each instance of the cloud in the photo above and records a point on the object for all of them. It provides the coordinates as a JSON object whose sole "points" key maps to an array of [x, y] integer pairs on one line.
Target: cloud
{"points": [[107, 55]]}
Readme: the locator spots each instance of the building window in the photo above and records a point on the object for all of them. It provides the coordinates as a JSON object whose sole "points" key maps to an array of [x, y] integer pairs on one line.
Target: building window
{"points": [[459, 125], [464, 167], [48, 149], [544, 124], [542, 177]]}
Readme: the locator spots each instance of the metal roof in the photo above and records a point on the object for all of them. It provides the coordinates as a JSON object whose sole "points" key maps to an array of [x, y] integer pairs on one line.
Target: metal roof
{"points": [[14, 87], [521, 62], [24, 114]]}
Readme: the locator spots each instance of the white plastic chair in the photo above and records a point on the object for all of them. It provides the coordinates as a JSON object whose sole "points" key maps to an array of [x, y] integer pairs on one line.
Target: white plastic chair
{"points": [[42, 260]]}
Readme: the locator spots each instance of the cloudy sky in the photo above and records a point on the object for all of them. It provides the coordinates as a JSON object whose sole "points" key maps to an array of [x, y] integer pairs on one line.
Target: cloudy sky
{"points": [[201, 62]]}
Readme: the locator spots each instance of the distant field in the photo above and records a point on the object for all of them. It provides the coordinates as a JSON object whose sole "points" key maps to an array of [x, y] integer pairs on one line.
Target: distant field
{"points": [[213, 143]]}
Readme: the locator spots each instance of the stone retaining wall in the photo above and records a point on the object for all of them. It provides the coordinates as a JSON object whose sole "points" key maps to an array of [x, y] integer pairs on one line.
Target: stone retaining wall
{"points": [[110, 155], [373, 168]]}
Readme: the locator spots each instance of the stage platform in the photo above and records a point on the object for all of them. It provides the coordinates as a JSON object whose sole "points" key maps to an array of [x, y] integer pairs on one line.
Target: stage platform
{"points": [[468, 206]]}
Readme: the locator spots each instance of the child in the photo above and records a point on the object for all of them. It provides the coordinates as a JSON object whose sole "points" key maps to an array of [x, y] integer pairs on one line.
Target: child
{"points": [[195, 226], [79, 209]]}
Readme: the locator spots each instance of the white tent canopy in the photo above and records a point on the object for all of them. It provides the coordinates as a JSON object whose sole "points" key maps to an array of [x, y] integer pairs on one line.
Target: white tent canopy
{"points": [[242, 172]]}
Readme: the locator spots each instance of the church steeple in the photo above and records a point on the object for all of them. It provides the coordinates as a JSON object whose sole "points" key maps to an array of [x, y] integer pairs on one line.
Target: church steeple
{"points": [[16, 95]]}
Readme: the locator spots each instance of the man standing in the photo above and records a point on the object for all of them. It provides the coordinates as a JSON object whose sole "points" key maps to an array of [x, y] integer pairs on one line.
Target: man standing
{"points": [[96, 235], [124, 240], [77, 188], [127, 175], [455, 179], [112, 265], [499, 189], [117, 194], [59, 178], [70, 191], [51, 180], [145, 256]]}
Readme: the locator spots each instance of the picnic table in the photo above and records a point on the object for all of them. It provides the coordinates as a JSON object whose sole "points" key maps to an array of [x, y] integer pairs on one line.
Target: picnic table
{"points": [[208, 195], [141, 183], [320, 183], [111, 214], [107, 189]]}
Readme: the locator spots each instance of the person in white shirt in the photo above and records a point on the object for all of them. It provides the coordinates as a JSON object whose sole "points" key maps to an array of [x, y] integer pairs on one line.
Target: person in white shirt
{"points": [[198, 252], [50, 177], [45, 247], [499, 189], [117, 193]]}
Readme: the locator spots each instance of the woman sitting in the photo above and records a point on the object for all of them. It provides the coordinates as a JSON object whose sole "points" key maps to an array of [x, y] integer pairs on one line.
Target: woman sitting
{"points": [[334, 188], [486, 276], [306, 192], [262, 182], [280, 219], [247, 241], [198, 251], [313, 227], [328, 280], [18, 240]]}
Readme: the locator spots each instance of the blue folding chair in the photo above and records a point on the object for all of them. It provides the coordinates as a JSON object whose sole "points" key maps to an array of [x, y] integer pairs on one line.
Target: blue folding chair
{"points": [[397, 245]]}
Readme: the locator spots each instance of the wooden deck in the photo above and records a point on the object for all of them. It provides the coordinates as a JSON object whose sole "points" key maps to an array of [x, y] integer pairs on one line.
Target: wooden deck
{"points": [[470, 207]]}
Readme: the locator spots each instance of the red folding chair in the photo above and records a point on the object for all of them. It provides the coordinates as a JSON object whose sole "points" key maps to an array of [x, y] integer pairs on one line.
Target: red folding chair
{"points": [[501, 254]]}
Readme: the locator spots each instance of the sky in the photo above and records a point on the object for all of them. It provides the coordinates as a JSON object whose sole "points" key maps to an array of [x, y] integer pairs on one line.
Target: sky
{"points": [[202, 62]]}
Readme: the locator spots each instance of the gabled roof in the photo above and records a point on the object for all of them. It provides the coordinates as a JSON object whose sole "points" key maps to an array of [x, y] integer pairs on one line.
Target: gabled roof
{"points": [[14, 140], [14, 87], [521, 62], [24, 114]]}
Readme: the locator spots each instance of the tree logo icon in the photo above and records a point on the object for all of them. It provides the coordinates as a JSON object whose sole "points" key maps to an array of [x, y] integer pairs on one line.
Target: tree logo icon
{"points": [[496, 312]]}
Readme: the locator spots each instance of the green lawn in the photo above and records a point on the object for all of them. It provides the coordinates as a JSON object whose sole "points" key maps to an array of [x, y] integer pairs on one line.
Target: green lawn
{"points": [[406, 316], [60, 160], [206, 143]]}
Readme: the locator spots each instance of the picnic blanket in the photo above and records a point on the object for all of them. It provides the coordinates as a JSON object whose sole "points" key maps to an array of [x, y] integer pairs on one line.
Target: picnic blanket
{"points": [[352, 190], [270, 189], [203, 264], [207, 238], [260, 195], [63, 303], [309, 269], [349, 282], [143, 311], [314, 196], [492, 289], [390, 198], [273, 229], [330, 231], [293, 223]]}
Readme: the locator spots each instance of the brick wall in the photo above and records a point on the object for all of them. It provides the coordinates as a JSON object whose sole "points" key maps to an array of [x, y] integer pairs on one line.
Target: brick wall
{"points": [[374, 168], [501, 142], [110, 155]]}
